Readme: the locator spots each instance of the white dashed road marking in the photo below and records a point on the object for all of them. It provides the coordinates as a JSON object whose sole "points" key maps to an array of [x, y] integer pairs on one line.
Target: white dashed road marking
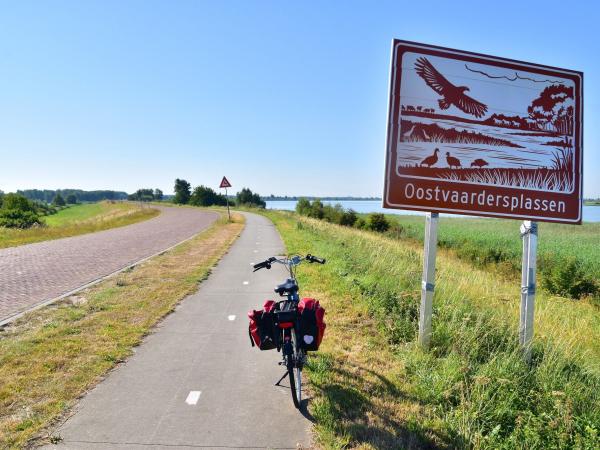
{"points": [[245, 282], [193, 397], [232, 317]]}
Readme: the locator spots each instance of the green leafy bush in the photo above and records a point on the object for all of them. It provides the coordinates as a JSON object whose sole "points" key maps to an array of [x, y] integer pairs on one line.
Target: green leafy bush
{"points": [[377, 222], [18, 212], [348, 218], [15, 218], [568, 279]]}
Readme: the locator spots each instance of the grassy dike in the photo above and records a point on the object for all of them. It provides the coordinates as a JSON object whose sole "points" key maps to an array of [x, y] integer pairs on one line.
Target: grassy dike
{"points": [[373, 388], [52, 356], [78, 219]]}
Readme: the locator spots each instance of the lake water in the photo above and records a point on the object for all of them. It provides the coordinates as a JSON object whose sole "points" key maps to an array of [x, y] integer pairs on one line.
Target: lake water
{"points": [[590, 213]]}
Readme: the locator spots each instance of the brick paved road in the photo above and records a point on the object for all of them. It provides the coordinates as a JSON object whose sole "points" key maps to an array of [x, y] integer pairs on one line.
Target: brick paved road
{"points": [[35, 273]]}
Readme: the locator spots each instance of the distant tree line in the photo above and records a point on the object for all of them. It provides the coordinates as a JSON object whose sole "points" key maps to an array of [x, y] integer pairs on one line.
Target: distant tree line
{"points": [[295, 198], [341, 216], [146, 195], [75, 195], [206, 196]]}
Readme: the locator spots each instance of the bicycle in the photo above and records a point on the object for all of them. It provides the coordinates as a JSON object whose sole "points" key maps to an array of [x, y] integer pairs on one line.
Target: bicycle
{"points": [[287, 323]]}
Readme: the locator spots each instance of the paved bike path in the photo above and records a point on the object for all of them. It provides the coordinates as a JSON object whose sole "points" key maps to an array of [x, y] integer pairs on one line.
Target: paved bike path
{"points": [[34, 274], [152, 400]]}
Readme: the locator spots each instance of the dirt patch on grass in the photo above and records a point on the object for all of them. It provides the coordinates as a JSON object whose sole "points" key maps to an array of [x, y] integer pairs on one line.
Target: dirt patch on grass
{"points": [[51, 357]]}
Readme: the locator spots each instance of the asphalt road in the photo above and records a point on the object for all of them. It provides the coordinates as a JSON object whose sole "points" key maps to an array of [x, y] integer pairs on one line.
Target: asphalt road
{"points": [[33, 274], [196, 382]]}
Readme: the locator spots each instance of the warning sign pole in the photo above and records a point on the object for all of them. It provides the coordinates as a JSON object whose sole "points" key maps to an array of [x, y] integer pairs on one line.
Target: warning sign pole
{"points": [[529, 233], [227, 199], [226, 184], [428, 280]]}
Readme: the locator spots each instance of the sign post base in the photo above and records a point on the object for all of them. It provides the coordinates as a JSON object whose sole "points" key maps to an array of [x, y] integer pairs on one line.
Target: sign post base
{"points": [[428, 280], [529, 234]]}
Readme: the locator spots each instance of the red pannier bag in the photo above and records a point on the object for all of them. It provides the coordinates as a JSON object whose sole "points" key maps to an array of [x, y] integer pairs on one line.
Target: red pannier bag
{"points": [[262, 327], [312, 325]]}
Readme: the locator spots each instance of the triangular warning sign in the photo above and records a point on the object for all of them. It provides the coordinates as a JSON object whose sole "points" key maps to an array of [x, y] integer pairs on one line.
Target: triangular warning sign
{"points": [[225, 183]]}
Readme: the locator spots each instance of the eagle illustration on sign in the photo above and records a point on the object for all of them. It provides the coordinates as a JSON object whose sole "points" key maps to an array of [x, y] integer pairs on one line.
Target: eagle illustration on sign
{"points": [[517, 131], [452, 95]]}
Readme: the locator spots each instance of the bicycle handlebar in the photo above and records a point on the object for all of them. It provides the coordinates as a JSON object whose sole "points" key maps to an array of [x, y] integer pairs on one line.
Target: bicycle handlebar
{"points": [[266, 264]]}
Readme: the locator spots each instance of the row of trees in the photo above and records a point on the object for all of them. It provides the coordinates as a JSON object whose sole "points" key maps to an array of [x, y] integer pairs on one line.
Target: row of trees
{"points": [[48, 195], [206, 196], [338, 215], [146, 195]]}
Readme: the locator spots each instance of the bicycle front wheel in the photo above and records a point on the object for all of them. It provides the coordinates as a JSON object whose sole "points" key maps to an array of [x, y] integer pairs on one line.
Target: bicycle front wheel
{"points": [[295, 373]]}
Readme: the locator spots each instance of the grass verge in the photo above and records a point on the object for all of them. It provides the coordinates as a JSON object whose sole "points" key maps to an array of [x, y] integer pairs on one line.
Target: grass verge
{"points": [[567, 254], [50, 357], [78, 219], [373, 388]]}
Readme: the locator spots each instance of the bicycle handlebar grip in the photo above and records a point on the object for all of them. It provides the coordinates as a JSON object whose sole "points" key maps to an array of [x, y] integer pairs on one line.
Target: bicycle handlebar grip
{"points": [[262, 265], [312, 259]]}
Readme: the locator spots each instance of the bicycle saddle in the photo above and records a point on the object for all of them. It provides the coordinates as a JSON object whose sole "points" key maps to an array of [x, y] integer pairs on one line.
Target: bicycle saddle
{"points": [[289, 286]]}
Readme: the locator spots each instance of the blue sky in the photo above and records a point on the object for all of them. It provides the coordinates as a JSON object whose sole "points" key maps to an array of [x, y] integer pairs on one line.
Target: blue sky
{"points": [[285, 98]]}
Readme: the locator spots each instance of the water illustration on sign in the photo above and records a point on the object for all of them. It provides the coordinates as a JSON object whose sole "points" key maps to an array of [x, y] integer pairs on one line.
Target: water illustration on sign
{"points": [[476, 123]]}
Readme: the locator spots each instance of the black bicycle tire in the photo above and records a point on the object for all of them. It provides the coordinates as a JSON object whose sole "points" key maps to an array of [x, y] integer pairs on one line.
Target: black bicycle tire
{"points": [[291, 375]]}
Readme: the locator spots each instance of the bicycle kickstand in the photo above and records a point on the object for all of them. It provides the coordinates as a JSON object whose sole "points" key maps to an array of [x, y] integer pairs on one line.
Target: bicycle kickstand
{"points": [[281, 379]]}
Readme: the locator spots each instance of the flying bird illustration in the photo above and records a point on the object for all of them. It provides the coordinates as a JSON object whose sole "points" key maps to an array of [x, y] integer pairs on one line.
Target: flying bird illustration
{"points": [[452, 95]]}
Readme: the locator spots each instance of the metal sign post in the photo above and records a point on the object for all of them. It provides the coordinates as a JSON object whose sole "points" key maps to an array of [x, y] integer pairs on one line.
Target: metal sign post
{"points": [[227, 199], [529, 233], [226, 184], [428, 281]]}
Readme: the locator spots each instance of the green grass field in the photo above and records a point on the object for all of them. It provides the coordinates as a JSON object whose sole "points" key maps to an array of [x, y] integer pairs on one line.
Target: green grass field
{"points": [[78, 219], [497, 242], [372, 387], [78, 213]]}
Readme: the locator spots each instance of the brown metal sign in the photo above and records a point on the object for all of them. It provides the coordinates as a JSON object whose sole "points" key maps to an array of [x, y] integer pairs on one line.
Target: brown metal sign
{"points": [[481, 135]]}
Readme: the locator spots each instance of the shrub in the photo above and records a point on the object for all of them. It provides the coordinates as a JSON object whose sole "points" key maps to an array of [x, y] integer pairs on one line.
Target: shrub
{"points": [[332, 214], [303, 206], [360, 223], [15, 218], [71, 199], [348, 218], [568, 279], [316, 210], [377, 222], [18, 202]]}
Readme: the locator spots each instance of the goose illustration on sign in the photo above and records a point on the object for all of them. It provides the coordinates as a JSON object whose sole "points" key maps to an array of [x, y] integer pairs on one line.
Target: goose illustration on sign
{"points": [[512, 145]]}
